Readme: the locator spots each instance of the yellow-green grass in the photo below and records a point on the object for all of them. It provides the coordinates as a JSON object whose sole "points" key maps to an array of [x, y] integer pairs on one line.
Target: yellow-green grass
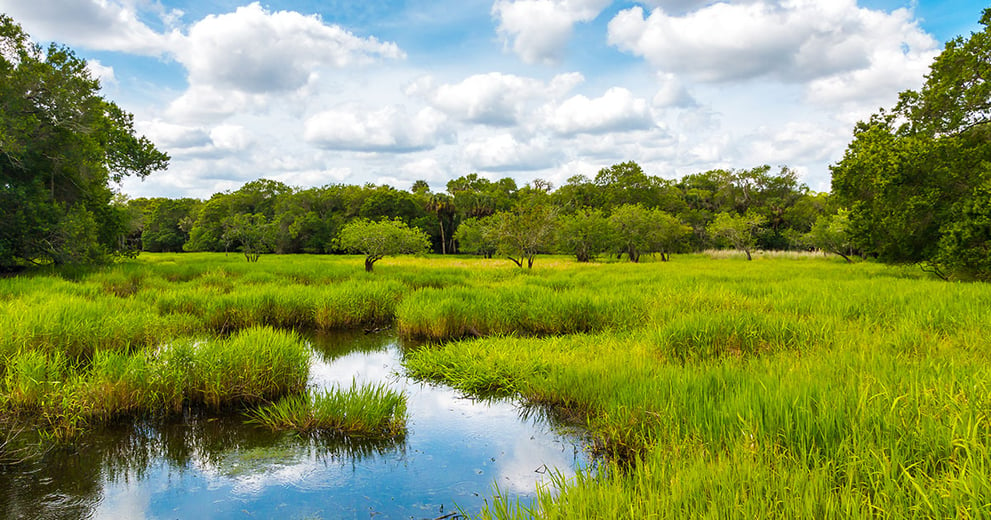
{"points": [[790, 387], [253, 366], [367, 410], [795, 388]]}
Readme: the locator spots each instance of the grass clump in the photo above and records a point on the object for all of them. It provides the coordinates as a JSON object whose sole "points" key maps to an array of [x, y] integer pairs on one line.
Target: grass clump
{"points": [[254, 365], [369, 410]]}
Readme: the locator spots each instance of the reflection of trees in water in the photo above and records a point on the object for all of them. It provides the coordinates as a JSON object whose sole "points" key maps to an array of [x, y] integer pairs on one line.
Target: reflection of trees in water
{"points": [[66, 481], [330, 345]]}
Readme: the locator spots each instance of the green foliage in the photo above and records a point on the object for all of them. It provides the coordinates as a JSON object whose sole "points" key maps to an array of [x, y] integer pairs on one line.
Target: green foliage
{"points": [[61, 144], [522, 233], [584, 233], [365, 410], [166, 223], [913, 178], [831, 233], [737, 230], [475, 236], [252, 232], [639, 231], [375, 240]]}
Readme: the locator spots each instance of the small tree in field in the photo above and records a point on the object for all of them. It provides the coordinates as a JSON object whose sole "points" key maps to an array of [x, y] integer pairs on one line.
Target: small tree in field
{"points": [[831, 234], [375, 240], [252, 231], [524, 232], [585, 234], [738, 230], [475, 235]]}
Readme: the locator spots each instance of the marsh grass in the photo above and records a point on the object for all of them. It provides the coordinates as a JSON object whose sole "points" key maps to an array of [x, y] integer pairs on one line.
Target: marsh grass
{"points": [[367, 410], [786, 387], [254, 365]]}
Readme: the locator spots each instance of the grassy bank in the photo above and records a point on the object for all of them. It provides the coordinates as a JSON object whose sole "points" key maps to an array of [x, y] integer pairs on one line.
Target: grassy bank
{"points": [[783, 387], [794, 388]]}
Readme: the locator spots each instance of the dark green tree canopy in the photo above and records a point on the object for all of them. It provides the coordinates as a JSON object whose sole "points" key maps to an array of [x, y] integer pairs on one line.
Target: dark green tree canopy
{"points": [[61, 144], [916, 178]]}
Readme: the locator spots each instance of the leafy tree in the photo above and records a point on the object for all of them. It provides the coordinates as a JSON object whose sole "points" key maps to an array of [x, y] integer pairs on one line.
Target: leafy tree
{"points": [[476, 236], [61, 144], [167, 224], [523, 233], [420, 187], [252, 232], [375, 240], [640, 231], [584, 234], [831, 234], [915, 178], [738, 230], [670, 234], [207, 233]]}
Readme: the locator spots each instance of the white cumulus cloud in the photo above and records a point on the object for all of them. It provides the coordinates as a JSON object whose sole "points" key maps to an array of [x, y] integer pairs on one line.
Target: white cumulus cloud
{"points": [[504, 152], [390, 129], [491, 99], [791, 40], [540, 29], [109, 25], [256, 51], [616, 110]]}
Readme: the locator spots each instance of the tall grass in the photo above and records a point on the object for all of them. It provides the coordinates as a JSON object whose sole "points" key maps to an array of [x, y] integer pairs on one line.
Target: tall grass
{"points": [[787, 387], [368, 410], [255, 365], [523, 309]]}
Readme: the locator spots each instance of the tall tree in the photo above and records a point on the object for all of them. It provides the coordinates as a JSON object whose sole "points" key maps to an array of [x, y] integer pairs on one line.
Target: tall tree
{"points": [[61, 145], [584, 233], [442, 206], [916, 179]]}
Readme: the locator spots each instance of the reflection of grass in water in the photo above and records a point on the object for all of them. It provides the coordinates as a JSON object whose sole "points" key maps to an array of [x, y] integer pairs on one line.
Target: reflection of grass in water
{"points": [[259, 459]]}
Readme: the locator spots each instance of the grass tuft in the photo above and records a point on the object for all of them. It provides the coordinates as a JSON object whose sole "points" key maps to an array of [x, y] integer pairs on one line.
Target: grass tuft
{"points": [[367, 410]]}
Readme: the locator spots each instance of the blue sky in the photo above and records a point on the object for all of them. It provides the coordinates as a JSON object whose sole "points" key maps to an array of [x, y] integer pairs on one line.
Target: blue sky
{"points": [[317, 92]]}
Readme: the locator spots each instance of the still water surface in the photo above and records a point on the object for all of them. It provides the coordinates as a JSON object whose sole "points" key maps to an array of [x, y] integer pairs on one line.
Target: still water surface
{"points": [[455, 451]]}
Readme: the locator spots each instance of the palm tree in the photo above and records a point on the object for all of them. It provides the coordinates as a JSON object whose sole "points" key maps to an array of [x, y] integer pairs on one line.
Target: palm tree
{"points": [[441, 205]]}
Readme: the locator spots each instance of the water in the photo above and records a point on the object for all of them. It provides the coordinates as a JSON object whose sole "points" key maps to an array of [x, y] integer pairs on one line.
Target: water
{"points": [[455, 451]]}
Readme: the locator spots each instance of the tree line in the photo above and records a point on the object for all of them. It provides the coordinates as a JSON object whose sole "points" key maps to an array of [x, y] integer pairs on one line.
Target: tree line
{"points": [[621, 211]]}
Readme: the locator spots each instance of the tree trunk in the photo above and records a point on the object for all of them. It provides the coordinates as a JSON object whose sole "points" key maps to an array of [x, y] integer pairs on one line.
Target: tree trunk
{"points": [[369, 262], [443, 239], [747, 251]]}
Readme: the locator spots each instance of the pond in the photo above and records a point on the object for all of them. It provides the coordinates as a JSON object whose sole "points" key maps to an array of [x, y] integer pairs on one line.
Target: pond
{"points": [[456, 451]]}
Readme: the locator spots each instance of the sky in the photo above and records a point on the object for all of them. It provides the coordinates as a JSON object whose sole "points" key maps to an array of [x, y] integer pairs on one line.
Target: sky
{"points": [[312, 92]]}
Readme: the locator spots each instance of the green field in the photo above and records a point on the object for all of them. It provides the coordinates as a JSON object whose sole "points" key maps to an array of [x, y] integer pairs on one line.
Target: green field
{"points": [[790, 386]]}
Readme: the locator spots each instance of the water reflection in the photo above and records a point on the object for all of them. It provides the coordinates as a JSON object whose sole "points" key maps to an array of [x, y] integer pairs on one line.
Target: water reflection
{"points": [[207, 467]]}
